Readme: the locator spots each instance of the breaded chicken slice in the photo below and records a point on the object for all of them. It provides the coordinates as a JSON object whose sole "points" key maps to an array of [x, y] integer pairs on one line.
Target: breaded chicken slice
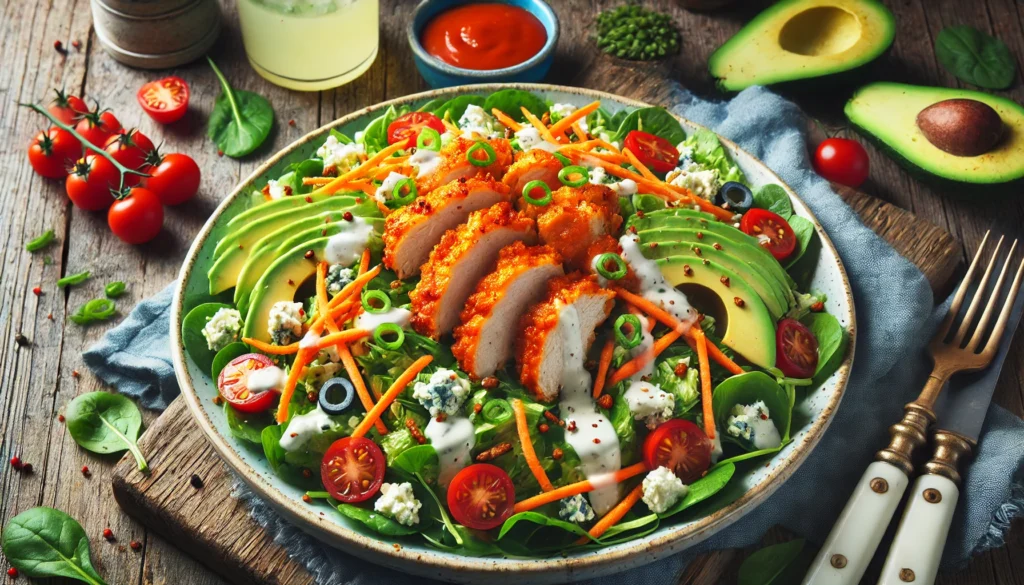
{"points": [[576, 218], [532, 165], [455, 163], [604, 245]]}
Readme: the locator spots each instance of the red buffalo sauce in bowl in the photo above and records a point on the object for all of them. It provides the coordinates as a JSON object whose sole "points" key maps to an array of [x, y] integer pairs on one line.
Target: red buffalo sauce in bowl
{"points": [[484, 36]]}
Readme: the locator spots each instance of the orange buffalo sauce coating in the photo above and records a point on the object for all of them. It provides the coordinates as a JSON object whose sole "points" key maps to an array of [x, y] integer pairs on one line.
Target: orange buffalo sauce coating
{"points": [[484, 36]]}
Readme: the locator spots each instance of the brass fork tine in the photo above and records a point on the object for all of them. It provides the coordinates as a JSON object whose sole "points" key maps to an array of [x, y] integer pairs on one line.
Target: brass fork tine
{"points": [[961, 292], [965, 325], [992, 301], [1004, 315]]}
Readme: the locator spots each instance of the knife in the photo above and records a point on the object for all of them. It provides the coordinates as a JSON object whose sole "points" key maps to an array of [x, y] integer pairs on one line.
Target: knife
{"points": [[917, 548]]}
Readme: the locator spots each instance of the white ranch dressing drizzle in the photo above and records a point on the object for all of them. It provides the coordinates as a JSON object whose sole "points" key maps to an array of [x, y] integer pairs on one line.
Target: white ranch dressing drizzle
{"points": [[370, 321], [453, 439], [387, 186], [304, 427], [263, 379], [594, 439], [653, 285], [426, 161], [347, 246]]}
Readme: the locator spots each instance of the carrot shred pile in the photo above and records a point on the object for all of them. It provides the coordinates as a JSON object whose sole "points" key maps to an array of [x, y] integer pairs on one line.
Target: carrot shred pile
{"points": [[705, 381], [392, 393], [614, 515]]}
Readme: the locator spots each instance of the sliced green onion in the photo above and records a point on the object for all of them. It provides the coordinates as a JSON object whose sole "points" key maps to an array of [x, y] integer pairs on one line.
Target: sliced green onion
{"points": [[41, 242], [537, 185], [567, 172], [564, 159], [611, 258], [406, 185], [497, 411], [73, 279], [429, 139], [114, 289], [635, 334], [375, 301], [481, 162], [389, 329], [94, 310]]}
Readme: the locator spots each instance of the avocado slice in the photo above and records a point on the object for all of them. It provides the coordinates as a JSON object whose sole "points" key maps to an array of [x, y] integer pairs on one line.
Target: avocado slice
{"points": [[284, 203], [803, 39], [887, 114], [749, 330]]}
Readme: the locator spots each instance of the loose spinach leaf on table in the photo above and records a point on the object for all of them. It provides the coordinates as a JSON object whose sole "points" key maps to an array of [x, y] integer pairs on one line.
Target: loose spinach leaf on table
{"points": [[240, 120], [775, 199], [103, 422], [765, 565], [652, 120], [975, 57], [376, 521], [511, 101], [43, 542]]}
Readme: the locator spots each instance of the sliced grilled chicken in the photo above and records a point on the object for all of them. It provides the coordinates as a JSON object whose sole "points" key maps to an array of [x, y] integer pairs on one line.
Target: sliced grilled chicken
{"points": [[486, 337], [532, 165], [546, 336], [458, 262], [455, 163], [411, 232], [576, 218]]}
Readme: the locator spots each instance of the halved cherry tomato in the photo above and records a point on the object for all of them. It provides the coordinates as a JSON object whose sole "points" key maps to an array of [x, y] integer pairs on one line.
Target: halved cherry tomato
{"points": [[174, 178], [53, 152], [353, 469], [130, 148], [773, 232], [137, 218], [97, 127], [481, 496], [796, 349], [407, 128], [681, 446], [655, 152], [67, 108], [233, 383], [165, 100], [90, 182], [842, 160]]}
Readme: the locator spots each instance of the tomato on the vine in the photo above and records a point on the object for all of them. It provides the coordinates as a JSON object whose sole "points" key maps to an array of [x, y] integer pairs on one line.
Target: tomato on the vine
{"points": [[843, 161], [53, 152], [233, 383], [97, 127], [771, 231], [174, 178], [796, 349], [67, 108], [90, 183], [681, 446], [481, 496], [352, 469], [130, 148], [165, 100], [407, 128], [137, 217], [655, 152]]}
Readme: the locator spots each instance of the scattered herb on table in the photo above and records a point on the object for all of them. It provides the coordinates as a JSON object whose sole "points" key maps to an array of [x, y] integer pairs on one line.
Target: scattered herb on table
{"points": [[94, 310], [635, 33], [115, 289], [240, 120], [975, 57], [73, 279], [764, 566], [103, 422], [43, 542], [47, 260], [41, 242]]}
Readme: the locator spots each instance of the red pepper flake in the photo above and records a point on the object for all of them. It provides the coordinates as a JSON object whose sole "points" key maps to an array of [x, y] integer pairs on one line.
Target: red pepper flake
{"points": [[16, 462], [220, 153], [571, 427], [85, 471], [681, 368], [818, 306], [50, 316], [77, 44], [359, 199], [37, 291], [597, 441], [632, 229], [291, 122], [640, 214], [716, 246], [477, 408], [605, 401], [75, 374], [60, 417], [307, 499], [347, 216], [218, 400], [12, 573], [309, 199], [414, 430], [739, 302], [764, 416], [108, 534], [687, 270], [136, 545], [441, 417], [556, 453], [697, 251], [307, 473], [291, 282], [395, 284], [60, 47], [700, 235], [543, 427], [323, 232], [287, 190], [490, 382], [652, 245], [724, 280], [308, 254]]}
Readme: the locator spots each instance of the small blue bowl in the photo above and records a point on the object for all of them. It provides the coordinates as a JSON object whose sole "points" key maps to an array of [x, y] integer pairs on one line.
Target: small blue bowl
{"points": [[440, 74]]}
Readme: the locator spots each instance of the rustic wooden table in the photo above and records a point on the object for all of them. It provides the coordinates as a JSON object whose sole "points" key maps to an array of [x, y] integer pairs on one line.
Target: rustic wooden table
{"points": [[37, 381]]}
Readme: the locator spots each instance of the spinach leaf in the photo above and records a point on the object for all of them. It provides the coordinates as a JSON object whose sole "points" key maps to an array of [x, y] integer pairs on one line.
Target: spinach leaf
{"points": [[748, 388], [456, 106], [421, 459], [703, 488], [431, 105], [631, 529], [376, 521], [225, 355], [103, 422], [803, 229], [648, 203], [765, 565], [975, 57], [192, 334], [311, 167], [775, 199], [270, 437], [510, 102], [375, 136], [247, 426], [652, 120], [539, 519], [240, 120], [43, 542], [832, 342]]}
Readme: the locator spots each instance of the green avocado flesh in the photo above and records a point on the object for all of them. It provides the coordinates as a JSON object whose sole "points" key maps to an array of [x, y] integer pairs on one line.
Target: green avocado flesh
{"points": [[887, 113], [803, 39]]}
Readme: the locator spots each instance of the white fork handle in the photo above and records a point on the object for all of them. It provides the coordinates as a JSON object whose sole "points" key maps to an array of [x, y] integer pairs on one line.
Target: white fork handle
{"points": [[916, 550], [846, 553]]}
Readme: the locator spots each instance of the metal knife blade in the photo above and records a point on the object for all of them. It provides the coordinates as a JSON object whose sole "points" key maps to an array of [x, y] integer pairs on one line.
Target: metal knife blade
{"points": [[964, 403]]}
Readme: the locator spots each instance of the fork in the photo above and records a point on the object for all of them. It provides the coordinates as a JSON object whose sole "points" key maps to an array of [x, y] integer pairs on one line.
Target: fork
{"points": [[851, 544]]}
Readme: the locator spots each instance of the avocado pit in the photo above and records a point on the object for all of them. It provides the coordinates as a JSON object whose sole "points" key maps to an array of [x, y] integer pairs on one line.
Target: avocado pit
{"points": [[961, 127]]}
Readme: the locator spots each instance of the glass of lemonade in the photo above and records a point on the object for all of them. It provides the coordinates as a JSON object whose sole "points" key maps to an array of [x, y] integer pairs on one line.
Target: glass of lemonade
{"points": [[310, 45]]}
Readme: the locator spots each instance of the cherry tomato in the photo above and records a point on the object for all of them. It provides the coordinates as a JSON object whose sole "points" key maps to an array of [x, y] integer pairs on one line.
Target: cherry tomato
{"points": [[407, 128], [137, 218], [655, 152], [353, 469], [67, 108], [130, 148], [165, 100], [175, 179], [97, 127], [681, 446], [481, 496], [233, 383], [53, 152], [842, 161], [90, 182], [796, 349], [771, 231]]}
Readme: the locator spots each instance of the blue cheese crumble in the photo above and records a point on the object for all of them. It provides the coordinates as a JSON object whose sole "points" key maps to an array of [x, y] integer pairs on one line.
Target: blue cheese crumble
{"points": [[476, 120], [649, 403], [285, 322], [276, 190], [575, 509], [662, 489], [702, 181], [342, 157], [338, 275], [753, 424], [398, 502], [222, 329], [444, 392]]}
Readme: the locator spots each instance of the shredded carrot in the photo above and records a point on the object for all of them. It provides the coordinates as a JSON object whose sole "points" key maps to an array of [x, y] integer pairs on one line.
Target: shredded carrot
{"points": [[270, 348], [636, 364], [615, 514], [362, 169], [354, 287], [633, 160], [347, 336], [705, 382], [602, 367], [382, 172], [541, 128], [528, 453], [316, 180], [322, 299], [506, 120], [301, 360], [581, 134], [392, 393], [364, 262], [357, 381], [450, 126], [609, 157], [565, 123], [580, 487]]}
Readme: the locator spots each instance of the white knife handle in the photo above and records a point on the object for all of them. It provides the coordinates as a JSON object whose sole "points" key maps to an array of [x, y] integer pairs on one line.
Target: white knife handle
{"points": [[849, 547]]}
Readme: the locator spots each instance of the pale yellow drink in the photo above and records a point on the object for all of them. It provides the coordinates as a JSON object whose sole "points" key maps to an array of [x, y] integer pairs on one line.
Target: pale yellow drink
{"points": [[310, 44]]}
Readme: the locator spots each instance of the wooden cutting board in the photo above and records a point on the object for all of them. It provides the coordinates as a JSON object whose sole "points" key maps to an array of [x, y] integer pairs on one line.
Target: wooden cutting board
{"points": [[212, 526]]}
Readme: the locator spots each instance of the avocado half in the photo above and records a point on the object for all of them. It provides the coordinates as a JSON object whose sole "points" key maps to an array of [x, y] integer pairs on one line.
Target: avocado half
{"points": [[887, 114], [803, 39]]}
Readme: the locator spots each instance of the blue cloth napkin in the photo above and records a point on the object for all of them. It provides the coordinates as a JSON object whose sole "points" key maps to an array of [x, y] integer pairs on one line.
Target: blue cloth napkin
{"points": [[895, 317]]}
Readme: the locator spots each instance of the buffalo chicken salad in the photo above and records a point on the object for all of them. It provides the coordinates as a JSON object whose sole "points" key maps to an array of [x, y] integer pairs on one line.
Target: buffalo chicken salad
{"points": [[511, 327]]}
